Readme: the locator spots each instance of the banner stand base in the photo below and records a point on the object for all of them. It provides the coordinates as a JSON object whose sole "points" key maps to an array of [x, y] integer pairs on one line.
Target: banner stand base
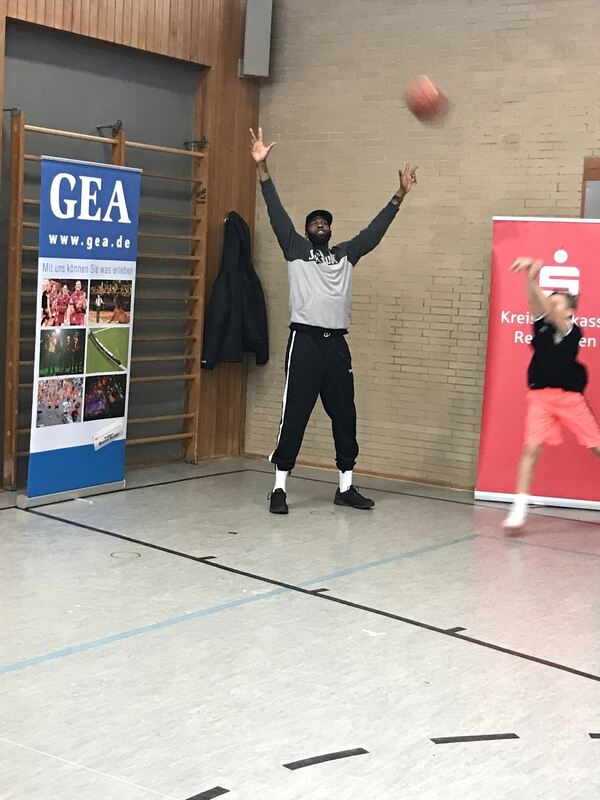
{"points": [[59, 497], [559, 502]]}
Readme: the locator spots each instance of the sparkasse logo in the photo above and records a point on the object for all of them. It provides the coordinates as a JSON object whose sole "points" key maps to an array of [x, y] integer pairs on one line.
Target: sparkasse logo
{"points": [[559, 277]]}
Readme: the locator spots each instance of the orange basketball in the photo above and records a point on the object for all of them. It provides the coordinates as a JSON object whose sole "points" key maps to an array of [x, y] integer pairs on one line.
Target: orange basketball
{"points": [[426, 100]]}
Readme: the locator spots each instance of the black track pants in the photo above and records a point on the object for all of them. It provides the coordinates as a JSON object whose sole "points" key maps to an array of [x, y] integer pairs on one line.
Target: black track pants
{"points": [[317, 363]]}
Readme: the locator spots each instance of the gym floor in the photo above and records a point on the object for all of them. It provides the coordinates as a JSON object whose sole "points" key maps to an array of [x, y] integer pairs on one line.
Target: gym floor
{"points": [[175, 640]]}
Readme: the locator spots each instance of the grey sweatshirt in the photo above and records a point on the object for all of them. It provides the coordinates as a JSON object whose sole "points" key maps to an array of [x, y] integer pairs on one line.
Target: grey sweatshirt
{"points": [[321, 280]]}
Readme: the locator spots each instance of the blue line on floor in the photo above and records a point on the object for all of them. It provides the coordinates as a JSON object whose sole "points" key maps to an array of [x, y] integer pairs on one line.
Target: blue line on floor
{"points": [[115, 637], [382, 562], [205, 612]]}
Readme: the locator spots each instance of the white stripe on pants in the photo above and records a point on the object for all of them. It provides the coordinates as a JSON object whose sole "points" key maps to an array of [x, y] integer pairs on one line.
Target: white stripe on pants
{"points": [[285, 391]]}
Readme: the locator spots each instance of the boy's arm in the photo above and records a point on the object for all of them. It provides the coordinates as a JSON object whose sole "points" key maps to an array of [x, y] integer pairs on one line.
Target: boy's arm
{"points": [[538, 302], [369, 237]]}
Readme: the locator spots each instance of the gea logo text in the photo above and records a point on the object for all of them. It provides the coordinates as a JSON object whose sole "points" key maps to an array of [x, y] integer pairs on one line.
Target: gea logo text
{"points": [[77, 198]]}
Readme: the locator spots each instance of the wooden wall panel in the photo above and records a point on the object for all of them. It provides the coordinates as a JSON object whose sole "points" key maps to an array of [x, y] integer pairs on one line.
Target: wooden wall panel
{"points": [[207, 32], [228, 107], [181, 29]]}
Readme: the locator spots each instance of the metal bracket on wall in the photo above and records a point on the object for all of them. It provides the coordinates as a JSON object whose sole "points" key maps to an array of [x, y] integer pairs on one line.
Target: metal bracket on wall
{"points": [[115, 128], [196, 144]]}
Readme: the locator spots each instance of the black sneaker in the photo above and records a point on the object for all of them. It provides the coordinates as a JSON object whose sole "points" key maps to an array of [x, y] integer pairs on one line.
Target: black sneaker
{"points": [[278, 504], [353, 498]]}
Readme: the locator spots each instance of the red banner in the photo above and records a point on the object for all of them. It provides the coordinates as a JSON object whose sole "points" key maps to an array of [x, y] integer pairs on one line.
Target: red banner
{"points": [[568, 474]]}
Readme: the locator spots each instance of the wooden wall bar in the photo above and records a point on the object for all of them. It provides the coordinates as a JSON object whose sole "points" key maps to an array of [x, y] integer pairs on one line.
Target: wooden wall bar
{"points": [[207, 32]]}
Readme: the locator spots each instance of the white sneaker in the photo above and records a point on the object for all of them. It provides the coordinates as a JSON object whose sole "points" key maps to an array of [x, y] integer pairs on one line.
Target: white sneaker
{"points": [[516, 517]]}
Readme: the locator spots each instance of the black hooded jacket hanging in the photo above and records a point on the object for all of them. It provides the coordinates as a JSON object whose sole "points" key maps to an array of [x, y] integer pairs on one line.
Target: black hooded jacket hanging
{"points": [[236, 318]]}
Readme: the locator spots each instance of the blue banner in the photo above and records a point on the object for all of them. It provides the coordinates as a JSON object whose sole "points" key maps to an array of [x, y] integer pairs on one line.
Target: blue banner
{"points": [[86, 289]]}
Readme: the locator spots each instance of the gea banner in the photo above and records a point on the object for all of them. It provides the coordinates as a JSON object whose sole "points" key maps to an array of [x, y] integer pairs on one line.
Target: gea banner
{"points": [[568, 474], [86, 285]]}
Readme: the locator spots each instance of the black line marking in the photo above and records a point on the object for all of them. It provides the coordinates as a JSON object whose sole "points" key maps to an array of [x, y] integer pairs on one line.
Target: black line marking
{"points": [[527, 657], [454, 630], [317, 591], [308, 762], [565, 519], [210, 793], [489, 737], [473, 503], [178, 480], [594, 735], [153, 485], [233, 533], [329, 597], [537, 544], [385, 491]]}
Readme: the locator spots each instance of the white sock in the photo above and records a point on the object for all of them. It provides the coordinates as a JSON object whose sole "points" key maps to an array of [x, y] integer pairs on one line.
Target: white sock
{"points": [[345, 480], [520, 501], [280, 479], [518, 512]]}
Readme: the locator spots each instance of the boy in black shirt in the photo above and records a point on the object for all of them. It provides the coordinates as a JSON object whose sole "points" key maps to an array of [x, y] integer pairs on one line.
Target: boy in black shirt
{"points": [[556, 383]]}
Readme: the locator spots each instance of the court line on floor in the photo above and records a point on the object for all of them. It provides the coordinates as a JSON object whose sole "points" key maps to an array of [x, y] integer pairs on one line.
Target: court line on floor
{"points": [[472, 503], [322, 596], [152, 627], [309, 762], [175, 480], [385, 491], [508, 539], [503, 539], [87, 769], [373, 489], [135, 488], [210, 794], [485, 737], [147, 486], [534, 514], [139, 631]]}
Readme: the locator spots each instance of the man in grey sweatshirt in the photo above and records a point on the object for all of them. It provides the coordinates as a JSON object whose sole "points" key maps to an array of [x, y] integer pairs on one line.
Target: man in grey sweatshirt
{"points": [[318, 360]]}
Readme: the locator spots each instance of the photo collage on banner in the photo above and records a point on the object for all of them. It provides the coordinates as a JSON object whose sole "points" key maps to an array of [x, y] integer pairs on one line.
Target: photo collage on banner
{"points": [[84, 350], [86, 287]]}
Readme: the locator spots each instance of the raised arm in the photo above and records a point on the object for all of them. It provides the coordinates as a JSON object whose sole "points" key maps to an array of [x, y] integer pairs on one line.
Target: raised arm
{"points": [[370, 236], [538, 302], [281, 223], [259, 152]]}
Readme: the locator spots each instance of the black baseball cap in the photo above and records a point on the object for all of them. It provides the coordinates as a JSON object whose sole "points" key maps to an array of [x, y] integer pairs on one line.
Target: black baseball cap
{"points": [[319, 212]]}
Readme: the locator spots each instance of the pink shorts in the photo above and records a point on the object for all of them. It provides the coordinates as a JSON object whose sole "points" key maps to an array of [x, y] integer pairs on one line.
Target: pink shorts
{"points": [[548, 409]]}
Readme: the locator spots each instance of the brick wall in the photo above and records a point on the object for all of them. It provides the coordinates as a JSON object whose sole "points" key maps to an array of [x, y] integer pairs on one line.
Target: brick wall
{"points": [[523, 80]]}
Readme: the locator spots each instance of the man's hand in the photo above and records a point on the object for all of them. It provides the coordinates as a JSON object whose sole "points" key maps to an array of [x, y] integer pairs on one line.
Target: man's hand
{"points": [[532, 265], [258, 149], [408, 178]]}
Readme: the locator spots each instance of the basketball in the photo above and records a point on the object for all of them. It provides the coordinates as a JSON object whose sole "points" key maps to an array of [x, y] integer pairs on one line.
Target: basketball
{"points": [[426, 100]]}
